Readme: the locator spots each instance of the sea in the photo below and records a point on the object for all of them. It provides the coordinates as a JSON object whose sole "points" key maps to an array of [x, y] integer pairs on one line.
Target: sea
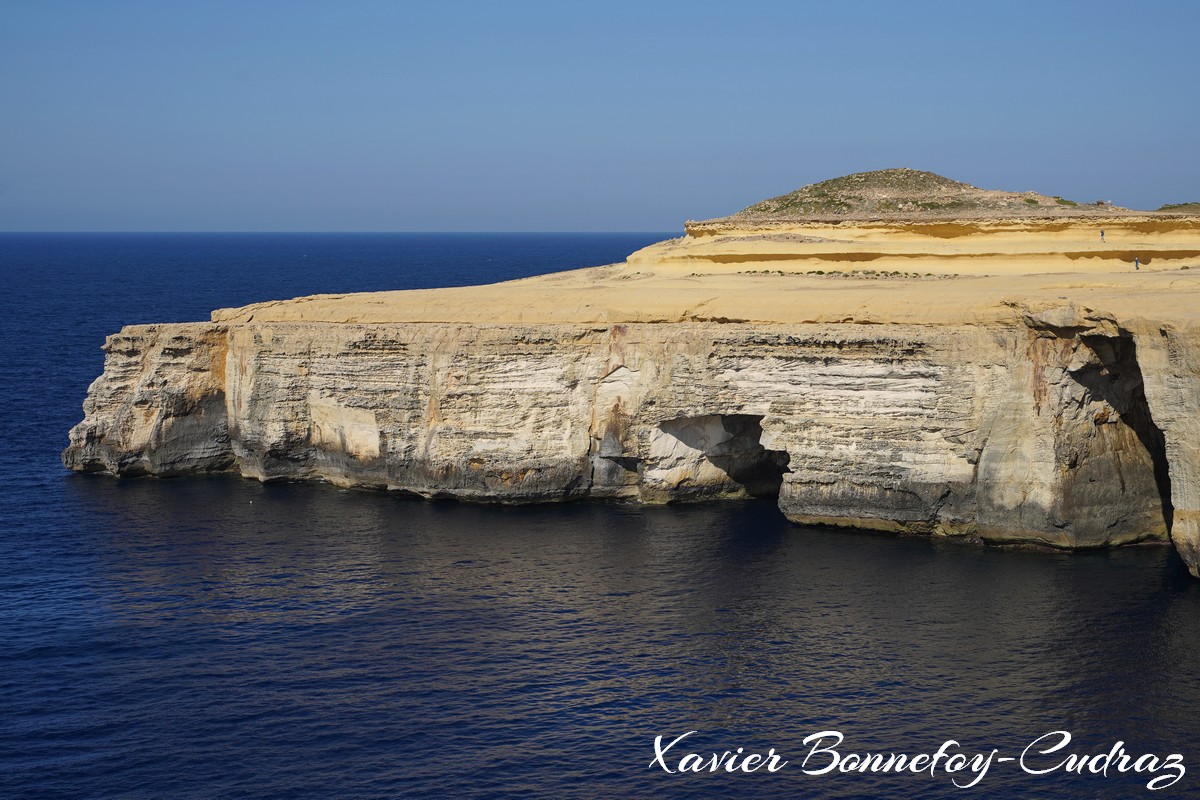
{"points": [[221, 638]]}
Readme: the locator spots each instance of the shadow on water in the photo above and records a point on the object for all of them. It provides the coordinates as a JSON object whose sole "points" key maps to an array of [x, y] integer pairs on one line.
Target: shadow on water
{"points": [[328, 635]]}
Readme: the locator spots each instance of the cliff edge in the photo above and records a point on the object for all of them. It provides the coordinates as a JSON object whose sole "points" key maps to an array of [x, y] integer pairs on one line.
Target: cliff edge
{"points": [[1010, 377]]}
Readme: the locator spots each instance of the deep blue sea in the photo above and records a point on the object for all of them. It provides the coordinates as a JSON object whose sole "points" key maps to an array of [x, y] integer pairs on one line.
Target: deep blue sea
{"points": [[220, 638]]}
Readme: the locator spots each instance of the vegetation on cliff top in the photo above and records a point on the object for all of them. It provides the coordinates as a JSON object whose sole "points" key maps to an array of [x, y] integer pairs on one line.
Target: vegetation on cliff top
{"points": [[1181, 208], [903, 193]]}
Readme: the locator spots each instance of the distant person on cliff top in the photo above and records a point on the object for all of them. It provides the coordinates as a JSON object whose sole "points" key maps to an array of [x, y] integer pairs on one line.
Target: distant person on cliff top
{"points": [[1136, 262], [1102, 235]]}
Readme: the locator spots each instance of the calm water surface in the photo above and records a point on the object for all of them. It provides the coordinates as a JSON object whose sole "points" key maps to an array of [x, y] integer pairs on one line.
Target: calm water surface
{"points": [[217, 638]]}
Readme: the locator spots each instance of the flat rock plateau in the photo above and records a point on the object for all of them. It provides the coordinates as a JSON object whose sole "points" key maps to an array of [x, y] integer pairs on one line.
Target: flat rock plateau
{"points": [[892, 350]]}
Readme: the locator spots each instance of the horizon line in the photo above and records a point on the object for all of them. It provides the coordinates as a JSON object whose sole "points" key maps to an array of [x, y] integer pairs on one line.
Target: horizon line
{"points": [[327, 232]]}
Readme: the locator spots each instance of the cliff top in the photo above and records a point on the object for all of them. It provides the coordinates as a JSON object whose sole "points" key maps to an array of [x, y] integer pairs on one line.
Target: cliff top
{"points": [[900, 194], [898, 246], [935, 272]]}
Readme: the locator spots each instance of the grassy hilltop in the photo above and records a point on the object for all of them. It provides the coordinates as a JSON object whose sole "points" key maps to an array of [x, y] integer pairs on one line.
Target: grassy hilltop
{"points": [[910, 193]]}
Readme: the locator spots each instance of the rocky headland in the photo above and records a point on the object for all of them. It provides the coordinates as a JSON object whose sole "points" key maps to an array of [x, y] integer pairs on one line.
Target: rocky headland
{"points": [[892, 350]]}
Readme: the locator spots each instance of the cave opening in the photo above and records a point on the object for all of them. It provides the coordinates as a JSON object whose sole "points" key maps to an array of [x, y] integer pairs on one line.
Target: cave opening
{"points": [[716, 455], [1114, 377]]}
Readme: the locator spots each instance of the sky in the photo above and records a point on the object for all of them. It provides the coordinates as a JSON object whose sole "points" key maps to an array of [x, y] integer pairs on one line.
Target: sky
{"points": [[361, 115]]}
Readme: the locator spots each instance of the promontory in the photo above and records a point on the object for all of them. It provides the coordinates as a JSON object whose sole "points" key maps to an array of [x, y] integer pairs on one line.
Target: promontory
{"points": [[890, 350]]}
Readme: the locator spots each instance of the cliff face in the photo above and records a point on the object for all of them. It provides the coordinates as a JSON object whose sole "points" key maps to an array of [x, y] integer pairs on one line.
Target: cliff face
{"points": [[1170, 361], [159, 407], [1040, 431]]}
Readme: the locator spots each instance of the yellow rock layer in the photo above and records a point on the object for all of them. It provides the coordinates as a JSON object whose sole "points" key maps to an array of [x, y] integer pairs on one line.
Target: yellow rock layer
{"points": [[937, 273]]}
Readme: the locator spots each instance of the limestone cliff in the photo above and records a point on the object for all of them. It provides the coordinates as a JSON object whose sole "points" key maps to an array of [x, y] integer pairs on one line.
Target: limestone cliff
{"points": [[159, 407], [1010, 433], [1010, 402]]}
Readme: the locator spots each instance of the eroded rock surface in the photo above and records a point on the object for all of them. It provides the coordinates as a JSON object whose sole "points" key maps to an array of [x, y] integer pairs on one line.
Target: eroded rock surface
{"points": [[159, 407], [1031, 433]]}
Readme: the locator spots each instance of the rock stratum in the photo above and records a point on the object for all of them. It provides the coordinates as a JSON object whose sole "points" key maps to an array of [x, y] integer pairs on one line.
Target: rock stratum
{"points": [[1005, 375]]}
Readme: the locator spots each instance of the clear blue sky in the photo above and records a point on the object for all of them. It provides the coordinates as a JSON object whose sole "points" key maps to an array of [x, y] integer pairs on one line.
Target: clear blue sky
{"points": [[572, 116]]}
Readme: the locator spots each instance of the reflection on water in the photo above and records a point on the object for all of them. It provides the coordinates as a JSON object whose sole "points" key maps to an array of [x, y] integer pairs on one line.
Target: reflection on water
{"points": [[303, 641]]}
